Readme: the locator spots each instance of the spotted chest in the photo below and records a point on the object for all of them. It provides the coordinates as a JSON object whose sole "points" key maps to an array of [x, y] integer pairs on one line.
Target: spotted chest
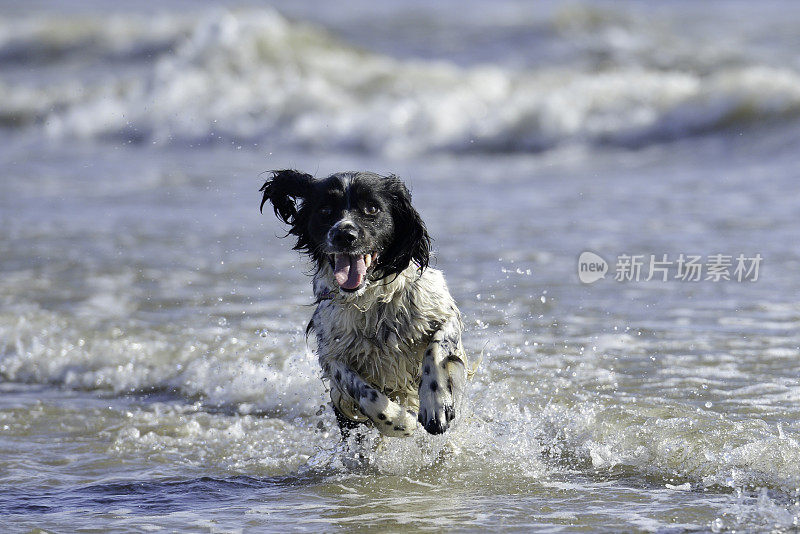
{"points": [[379, 344], [382, 334]]}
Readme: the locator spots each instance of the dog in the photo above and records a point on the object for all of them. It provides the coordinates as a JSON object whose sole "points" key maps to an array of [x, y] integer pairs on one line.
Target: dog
{"points": [[388, 332]]}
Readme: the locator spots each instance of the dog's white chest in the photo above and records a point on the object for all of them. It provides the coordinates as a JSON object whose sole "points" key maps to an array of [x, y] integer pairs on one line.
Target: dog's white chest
{"points": [[386, 353], [383, 333]]}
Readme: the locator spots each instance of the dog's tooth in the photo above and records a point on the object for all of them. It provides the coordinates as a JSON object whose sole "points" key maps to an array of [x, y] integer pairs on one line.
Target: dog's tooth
{"points": [[367, 260]]}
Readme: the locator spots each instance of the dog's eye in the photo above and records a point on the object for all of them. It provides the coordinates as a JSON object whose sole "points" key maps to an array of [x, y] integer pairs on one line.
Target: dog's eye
{"points": [[370, 209]]}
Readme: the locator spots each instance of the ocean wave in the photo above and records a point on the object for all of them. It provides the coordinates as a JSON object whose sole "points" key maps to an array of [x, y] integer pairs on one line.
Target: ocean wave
{"points": [[255, 77], [36, 41], [687, 448], [222, 372], [506, 427]]}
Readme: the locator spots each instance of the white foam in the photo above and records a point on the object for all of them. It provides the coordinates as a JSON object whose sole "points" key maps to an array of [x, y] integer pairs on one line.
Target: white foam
{"points": [[44, 347], [175, 436], [676, 443], [510, 428], [252, 75]]}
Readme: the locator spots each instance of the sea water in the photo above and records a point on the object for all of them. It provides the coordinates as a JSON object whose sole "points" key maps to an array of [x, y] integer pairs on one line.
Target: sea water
{"points": [[154, 372]]}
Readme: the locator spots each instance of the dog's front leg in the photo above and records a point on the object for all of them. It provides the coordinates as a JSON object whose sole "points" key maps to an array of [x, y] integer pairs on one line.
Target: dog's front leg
{"points": [[444, 376], [389, 418]]}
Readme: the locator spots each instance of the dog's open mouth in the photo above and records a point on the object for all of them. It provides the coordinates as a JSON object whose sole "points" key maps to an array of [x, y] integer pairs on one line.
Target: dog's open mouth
{"points": [[350, 270]]}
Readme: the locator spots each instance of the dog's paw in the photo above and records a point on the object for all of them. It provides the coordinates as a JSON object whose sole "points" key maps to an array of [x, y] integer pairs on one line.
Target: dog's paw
{"points": [[436, 401], [389, 418], [436, 420], [395, 423]]}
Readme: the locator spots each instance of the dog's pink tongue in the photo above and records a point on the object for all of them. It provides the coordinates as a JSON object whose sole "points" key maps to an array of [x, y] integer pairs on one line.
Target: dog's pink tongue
{"points": [[349, 270]]}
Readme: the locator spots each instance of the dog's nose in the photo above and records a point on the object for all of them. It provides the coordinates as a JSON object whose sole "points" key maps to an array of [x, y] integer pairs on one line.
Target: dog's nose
{"points": [[344, 234]]}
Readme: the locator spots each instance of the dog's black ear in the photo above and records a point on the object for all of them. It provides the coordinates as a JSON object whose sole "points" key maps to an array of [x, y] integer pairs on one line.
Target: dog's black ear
{"points": [[411, 241], [284, 190], [288, 190]]}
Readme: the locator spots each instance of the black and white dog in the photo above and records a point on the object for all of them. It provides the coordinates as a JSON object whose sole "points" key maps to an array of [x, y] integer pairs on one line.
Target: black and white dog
{"points": [[388, 332]]}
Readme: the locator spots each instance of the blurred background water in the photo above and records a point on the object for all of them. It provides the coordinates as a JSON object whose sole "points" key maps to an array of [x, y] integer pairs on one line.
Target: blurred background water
{"points": [[153, 367]]}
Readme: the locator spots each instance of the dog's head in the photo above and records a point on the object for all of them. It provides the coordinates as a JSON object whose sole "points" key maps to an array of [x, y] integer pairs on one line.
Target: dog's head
{"points": [[361, 224]]}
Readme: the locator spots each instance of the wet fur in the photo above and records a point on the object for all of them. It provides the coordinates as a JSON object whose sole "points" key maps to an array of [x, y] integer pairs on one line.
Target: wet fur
{"points": [[391, 351]]}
